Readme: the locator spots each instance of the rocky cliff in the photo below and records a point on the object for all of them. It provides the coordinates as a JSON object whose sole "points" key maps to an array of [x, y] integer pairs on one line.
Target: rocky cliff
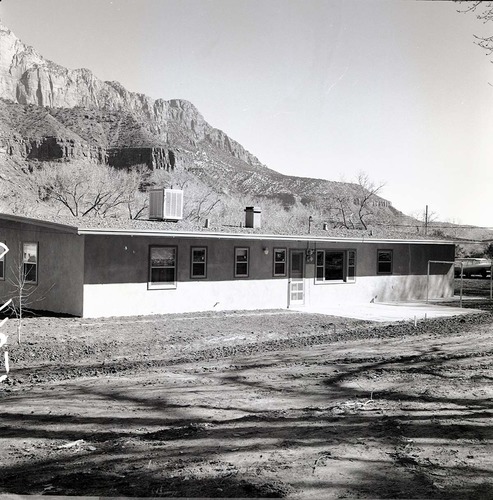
{"points": [[26, 78]]}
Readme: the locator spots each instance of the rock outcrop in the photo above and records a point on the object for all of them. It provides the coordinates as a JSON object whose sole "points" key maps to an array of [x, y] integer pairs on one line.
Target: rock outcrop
{"points": [[27, 78], [155, 158]]}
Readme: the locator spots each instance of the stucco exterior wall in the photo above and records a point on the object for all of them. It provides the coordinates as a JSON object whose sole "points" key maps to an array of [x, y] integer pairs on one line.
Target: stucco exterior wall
{"points": [[125, 259], [379, 289], [129, 299], [59, 285], [117, 269], [408, 258]]}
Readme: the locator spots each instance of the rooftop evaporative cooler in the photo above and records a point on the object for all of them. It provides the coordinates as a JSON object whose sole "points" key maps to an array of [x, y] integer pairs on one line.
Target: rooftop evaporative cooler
{"points": [[166, 204]]}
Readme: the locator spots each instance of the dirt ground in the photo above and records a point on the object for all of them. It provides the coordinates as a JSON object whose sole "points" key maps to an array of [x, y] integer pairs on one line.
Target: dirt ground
{"points": [[272, 404]]}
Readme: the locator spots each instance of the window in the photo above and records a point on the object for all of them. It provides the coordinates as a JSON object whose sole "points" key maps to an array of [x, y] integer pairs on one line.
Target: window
{"points": [[279, 262], [30, 262], [241, 262], [335, 266], [199, 262], [162, 267], [384, 262], [330, 265]]}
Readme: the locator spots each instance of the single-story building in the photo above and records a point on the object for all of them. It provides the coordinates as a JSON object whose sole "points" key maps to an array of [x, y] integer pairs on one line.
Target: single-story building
{"points": [[118, 272]]}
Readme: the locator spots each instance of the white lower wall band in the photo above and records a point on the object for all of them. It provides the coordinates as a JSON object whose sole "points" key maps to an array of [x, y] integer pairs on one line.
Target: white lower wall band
{"points": [[132, 299]]}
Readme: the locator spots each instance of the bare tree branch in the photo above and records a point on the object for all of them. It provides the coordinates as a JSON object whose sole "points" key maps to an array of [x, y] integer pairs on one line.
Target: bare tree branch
{"points": [[85, 188], [484, 13], [22, 292]]}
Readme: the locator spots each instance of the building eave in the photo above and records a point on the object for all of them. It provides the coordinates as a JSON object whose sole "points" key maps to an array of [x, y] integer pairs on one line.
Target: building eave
{"points": [[39, 222], [253, 236]]}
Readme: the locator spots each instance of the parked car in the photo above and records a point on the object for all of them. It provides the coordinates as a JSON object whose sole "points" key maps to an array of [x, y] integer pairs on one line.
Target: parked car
{"points": [[472, 266]]}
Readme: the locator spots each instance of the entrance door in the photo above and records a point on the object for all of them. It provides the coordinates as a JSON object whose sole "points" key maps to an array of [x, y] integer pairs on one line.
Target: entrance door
{"points": [[296, 278]]}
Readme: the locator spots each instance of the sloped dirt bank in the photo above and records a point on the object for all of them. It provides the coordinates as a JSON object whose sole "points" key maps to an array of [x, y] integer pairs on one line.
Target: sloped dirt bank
{"points": [[249, 405]]}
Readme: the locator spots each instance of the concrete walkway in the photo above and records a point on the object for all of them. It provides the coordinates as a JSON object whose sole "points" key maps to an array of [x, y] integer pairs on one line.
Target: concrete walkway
{"points": [[388, 312]]}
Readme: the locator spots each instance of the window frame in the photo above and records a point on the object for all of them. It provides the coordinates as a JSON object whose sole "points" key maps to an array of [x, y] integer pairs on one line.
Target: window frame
{"points": [[236, 274], [285, 262], [36, 264], [162, 285], [192, 262], [2, 260], [347, 277], [391, 262]]}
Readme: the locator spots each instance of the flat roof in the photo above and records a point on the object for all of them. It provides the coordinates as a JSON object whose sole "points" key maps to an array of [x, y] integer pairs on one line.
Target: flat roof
{"points": [[184, 229], [254, 236]]}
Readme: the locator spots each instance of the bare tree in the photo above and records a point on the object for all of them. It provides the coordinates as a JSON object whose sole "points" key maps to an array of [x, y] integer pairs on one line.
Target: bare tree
{"points": [[344, 212], [89, 189], [201, 203], [367, 191], [200, 200], [278, 216], [484, 13], [353, 204], [338, 206], [137, 201], [24, 293]]}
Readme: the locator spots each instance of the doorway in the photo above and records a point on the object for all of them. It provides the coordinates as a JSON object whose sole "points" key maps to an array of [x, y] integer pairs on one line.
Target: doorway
{"points": [[297, 278]]}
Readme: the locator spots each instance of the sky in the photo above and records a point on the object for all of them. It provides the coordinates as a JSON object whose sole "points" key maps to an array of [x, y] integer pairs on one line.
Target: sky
{"points": [[315, 88]]}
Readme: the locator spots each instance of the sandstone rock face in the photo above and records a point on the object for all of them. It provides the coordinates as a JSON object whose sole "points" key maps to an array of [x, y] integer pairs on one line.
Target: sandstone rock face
{"points": [[155, 158], [27, 78], [52, 148]]}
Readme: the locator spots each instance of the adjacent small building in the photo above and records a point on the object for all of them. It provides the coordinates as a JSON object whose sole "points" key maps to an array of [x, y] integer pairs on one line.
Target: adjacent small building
{"points": [[96, 272]]}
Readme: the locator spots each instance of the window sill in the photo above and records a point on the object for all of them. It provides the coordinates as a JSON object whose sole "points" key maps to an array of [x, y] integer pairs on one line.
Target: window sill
{"points": [[335, 282], [161, 286]]}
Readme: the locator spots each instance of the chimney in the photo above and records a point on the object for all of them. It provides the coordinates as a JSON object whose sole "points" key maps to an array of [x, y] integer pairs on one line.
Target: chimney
{"points": [[252, 217]]}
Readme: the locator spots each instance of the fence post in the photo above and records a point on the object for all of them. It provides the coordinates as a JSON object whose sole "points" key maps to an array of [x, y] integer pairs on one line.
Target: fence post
{"points": [[491, 280], [461, 282], [427, 282]]}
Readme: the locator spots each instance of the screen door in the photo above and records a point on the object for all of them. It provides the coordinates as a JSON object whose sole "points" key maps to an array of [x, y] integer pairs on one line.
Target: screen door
{"points": [[296, 278]]}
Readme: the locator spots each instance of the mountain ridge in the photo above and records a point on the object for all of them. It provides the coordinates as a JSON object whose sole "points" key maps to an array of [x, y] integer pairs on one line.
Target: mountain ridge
{"points": [[28, 78], [51, 113]]}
